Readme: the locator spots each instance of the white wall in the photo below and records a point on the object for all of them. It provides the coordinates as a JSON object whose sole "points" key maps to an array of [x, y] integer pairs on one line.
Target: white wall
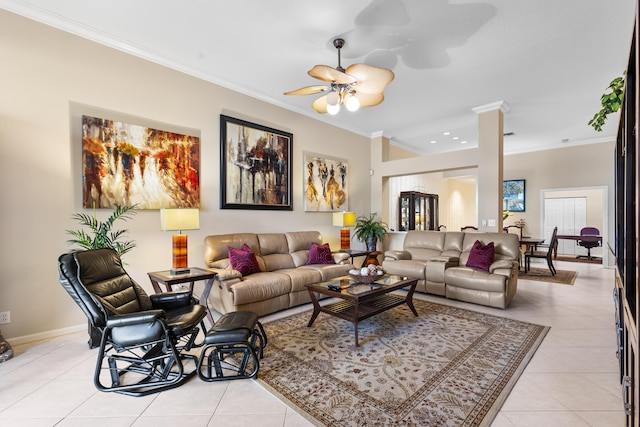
{"points": [[48, 80]]}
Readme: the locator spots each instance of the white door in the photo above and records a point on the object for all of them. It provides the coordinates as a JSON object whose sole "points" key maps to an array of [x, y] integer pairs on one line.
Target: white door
{"points": [[569, 214]]}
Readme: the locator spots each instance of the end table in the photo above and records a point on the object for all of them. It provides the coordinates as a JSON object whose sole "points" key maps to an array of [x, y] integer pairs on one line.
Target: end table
{"points": [[195, 274]]}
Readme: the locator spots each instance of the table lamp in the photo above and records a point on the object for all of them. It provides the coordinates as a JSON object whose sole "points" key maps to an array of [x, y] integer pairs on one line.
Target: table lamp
{"points": [[344, 220], [177, 220]]}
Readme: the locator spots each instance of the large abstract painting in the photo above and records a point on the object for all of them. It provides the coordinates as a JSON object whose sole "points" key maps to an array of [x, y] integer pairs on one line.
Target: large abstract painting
{"points": [[128, 164], [326, 183], [255, 166]]}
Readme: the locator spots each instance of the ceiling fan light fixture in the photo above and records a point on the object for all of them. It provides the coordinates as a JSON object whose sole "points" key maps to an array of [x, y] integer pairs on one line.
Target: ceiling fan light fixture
{"points": [[353, 103], [333, 109], [333, 98], [370, 82]]}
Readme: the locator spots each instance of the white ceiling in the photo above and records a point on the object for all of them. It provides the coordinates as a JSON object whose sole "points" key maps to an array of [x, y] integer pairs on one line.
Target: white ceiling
{"points": [[549, 60]]}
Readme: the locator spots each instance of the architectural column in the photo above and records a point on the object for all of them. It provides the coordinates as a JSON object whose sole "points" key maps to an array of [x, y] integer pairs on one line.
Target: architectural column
{"points": [[490, 164], [379, 153]]}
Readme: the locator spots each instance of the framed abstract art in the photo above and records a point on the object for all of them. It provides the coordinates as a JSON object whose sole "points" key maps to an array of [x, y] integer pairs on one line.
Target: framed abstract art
{"points": [[129, 164], [326, 183], [255, 170]]}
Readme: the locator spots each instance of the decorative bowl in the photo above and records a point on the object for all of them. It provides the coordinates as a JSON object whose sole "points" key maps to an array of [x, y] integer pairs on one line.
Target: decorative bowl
{"points": [[365, 279]]}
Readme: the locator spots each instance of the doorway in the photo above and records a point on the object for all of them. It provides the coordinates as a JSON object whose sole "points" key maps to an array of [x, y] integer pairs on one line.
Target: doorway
{"points": [[571, 209]]}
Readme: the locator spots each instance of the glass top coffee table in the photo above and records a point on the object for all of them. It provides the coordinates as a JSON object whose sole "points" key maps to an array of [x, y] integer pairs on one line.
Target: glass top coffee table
{"points": [[359, 301]]}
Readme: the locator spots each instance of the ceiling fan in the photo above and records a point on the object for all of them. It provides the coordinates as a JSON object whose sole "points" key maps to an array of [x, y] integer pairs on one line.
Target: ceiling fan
{"points": [[360, 85]]}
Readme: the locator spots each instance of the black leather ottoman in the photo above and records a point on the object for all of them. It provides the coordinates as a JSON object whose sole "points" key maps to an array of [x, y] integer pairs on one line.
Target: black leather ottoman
{"points": [[232, 348]]}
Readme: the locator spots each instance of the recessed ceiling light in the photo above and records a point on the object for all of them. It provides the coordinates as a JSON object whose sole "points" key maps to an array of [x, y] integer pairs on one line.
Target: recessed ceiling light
{"points": [[456, 137], [446, 133], [433, 141], [463, 142]]}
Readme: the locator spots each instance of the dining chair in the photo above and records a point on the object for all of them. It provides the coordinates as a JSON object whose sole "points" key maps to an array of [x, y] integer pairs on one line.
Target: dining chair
{"points": [[546, 254]]}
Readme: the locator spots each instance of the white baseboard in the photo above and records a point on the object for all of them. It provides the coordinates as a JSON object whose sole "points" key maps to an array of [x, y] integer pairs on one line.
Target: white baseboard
{"points": [[46, 335]]}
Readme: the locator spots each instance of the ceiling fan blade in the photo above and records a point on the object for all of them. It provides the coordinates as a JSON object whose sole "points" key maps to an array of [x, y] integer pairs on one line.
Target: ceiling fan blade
{"points": [[369, 99], [320, 105], [370, 79], [329, 74], [308, 90]]}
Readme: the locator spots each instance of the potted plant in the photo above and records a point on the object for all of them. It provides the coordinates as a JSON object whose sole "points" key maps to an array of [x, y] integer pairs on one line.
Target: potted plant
{"points": [[368, 230], [101, 235]]}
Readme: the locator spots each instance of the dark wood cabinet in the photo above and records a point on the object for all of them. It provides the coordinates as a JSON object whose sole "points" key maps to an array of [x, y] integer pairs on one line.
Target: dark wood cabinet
{"points": [[418, 211], [626, 247]]}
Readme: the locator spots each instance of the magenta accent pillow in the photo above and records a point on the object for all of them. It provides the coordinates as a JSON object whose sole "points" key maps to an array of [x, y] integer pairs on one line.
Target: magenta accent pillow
{"points": [[320, 254], [243, 260], [481, 256]]}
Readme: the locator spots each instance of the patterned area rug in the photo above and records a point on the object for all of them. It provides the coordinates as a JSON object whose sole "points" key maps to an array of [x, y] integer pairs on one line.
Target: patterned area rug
{"points": [[563, 277], [447, 367]]}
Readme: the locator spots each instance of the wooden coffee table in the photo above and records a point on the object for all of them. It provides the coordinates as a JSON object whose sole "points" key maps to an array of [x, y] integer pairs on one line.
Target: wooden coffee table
{"points": [[359, 301]]}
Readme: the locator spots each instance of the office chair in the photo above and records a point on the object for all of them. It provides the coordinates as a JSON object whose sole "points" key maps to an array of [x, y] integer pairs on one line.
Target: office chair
{"points": [[144, 338], [587, 242], [548, 254]]}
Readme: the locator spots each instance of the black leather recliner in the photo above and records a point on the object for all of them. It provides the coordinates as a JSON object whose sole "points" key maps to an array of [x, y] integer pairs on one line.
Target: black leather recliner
{"points": [[144, 339]]}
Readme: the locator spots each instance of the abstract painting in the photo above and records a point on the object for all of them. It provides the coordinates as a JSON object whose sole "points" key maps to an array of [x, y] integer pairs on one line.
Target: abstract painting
{"points": [[255, 168], [326, 183], [128, 164]]}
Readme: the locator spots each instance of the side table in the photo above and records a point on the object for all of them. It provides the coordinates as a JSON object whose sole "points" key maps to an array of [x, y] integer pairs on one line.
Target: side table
{"points": [[354, 253], [195, 274]]}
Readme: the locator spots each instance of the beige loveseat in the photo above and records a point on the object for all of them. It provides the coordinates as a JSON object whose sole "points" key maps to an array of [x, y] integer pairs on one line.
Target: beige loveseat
{"points": [[439, 260], [280, 284]]}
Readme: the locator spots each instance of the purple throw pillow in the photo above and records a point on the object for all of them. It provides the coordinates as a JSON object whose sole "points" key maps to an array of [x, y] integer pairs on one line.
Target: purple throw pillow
{"points": [[320, 254], [481, 256], [243, 260]]}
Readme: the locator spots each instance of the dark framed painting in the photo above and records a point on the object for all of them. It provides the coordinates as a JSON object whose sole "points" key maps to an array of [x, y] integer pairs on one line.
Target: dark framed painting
{"points": [[326, 183], [513, 195], [255, 170], [129, 164]]}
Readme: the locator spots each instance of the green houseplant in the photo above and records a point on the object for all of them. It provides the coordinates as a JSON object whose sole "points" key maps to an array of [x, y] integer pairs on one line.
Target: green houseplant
{"points": [[611, 102], [100, 234], [368, 230]]}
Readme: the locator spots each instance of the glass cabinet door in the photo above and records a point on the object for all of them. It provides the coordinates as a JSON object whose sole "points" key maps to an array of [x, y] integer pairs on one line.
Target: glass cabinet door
{"points": [[418, 211], [404, 214]]}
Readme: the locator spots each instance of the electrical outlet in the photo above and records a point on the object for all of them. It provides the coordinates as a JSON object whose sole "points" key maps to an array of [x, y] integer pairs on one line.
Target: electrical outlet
{"points": [[5, 317]]}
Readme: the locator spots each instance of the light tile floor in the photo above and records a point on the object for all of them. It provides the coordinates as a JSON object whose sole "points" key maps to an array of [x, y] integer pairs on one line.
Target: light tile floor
{"points": [[571, 381]]}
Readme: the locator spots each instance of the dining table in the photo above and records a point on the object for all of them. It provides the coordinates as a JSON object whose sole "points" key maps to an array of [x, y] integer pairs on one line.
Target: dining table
{"points": [[530, 244]]}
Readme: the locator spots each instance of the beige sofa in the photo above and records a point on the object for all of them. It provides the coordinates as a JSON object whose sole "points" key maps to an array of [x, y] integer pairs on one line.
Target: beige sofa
{"points": [[280, 284], [439, 260]]}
